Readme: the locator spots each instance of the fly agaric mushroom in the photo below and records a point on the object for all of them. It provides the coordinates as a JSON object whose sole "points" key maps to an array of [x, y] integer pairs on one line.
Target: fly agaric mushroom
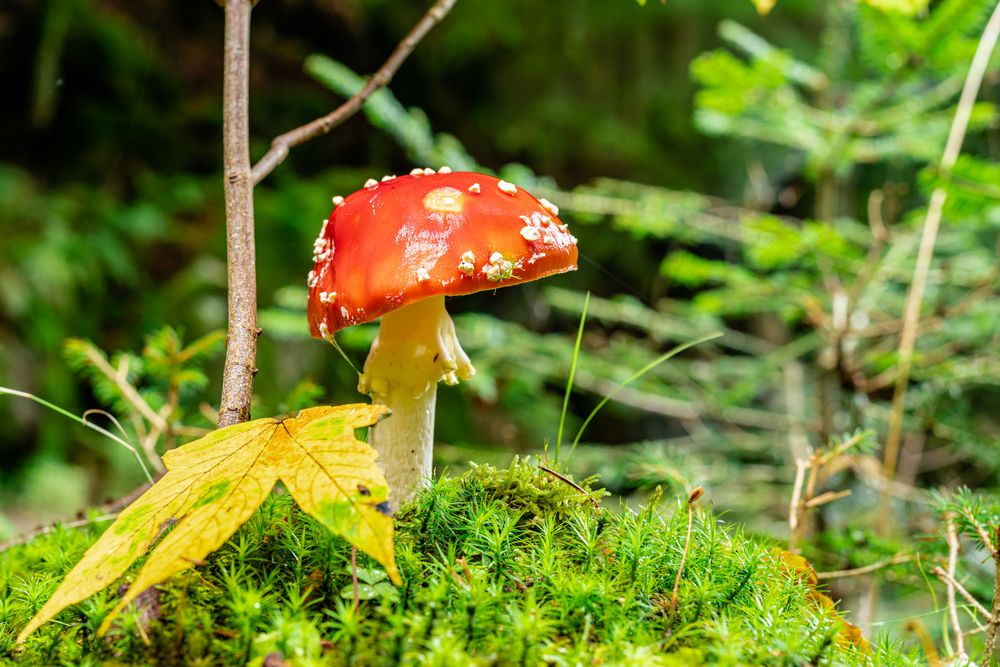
{"points": [[394, 249]]}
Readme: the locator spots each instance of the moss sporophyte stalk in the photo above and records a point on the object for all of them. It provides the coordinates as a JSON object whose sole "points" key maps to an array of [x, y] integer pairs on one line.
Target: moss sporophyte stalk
{"points": [[508, 566]]}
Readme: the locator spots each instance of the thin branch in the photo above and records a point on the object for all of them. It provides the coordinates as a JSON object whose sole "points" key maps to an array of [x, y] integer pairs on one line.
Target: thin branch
{"points": [[880, 236], [911, 317], [950, 581], [827, 497], [994, 620], [282, 144], [842, 448], [567, 480], [242, 331], [866, 569], [814, 465], [981, 531], [951, 535], [795, 511]]}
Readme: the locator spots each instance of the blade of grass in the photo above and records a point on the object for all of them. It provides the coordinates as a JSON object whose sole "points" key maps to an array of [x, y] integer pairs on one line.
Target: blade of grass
{"points": [[92, 426], [635, 376], [569, 381]]}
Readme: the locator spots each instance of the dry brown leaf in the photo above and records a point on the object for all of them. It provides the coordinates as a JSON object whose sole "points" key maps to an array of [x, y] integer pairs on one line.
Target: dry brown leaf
{"points": [[796, 565]]}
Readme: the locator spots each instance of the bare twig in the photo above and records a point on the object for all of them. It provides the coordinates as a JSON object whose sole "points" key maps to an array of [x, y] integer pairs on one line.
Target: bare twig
{"points": [[117, 505], [242, 332], [950, 581], [981, 531], [192, 431], [801, 497], [911, 317], [804, 497], [282, 144], [951, 535], [148, 446], [975, 631], [826, 497], [567, 480], [842, 448], [814, 466], [994, 620], [880, 235], [795, 514], [866, 569]]}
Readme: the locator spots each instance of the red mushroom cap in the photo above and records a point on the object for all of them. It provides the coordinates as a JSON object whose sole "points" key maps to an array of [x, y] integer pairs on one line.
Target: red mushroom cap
{"points": [[411, 237]]}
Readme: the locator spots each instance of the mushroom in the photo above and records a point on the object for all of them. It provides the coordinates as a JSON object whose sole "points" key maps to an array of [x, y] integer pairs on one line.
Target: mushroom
{"points": [[394, 249]]}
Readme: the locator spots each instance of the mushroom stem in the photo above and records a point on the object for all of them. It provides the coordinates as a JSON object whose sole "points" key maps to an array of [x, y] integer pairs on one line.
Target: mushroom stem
{"points": [[416, 346], [405, 442]]}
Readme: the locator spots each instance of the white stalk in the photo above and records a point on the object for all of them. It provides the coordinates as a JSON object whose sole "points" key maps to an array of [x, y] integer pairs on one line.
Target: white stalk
{"points": [[415, 348], [405, 442]]}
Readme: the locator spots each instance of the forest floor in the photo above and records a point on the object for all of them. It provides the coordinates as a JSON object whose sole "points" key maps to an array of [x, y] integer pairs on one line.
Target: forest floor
{"points": [[509, 566]]}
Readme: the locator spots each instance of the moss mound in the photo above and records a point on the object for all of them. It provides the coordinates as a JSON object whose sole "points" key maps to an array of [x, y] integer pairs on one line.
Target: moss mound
{"points": [[501, 567]]}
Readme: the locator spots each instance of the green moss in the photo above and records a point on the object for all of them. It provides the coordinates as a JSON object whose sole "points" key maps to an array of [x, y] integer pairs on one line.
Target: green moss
{"points": [[501, 567]]}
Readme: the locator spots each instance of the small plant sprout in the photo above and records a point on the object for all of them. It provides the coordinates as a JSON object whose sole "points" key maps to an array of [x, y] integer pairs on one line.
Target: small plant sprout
{"points": [[693, 497], [396, 249]]}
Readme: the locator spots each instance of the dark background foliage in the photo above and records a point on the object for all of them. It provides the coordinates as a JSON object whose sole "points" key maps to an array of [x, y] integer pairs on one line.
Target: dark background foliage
{"points": [[763, 177], [111, 147]]}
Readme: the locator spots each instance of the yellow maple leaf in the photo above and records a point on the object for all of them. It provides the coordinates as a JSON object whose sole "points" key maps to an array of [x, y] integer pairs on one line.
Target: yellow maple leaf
{"points": [[213, 486]]}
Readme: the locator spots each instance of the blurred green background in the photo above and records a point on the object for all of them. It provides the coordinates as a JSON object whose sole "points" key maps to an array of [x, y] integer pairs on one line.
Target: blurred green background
{"points": [[761, 176], [111, 202]]}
